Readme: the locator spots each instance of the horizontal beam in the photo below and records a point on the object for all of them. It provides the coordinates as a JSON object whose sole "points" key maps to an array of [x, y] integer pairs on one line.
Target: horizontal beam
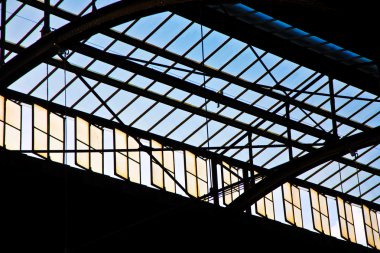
{"points": [[281, 47], [81, 28], [191, 109], [284, 172], [150, 73], [192, 64], [227, 77]]}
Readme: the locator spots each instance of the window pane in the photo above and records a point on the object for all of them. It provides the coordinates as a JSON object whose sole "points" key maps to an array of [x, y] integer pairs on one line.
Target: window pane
{"points": [[96, 137], [134, 170], [201, 169], [13, 114], [191, 184], [82, 130], [121, 165], [12, 138], [287, 193], [82, 158], [40, 118], [40, 141], [57, 126], [97, 162], [190, 162], [56, 145]]}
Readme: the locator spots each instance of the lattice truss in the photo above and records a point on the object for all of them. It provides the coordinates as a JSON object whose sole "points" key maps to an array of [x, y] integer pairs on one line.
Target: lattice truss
{"points": [[168, 101]]}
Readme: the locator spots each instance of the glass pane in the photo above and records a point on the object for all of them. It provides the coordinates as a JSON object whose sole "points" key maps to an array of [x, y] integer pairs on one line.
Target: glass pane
{"points": [[169, 183], [190, 162], [121, 165], [82, 158], [227, 198], [169, 160], [296, 196], [314, 199], [226, 177], [367, 217], [133, 144], [341, 211], [201, 169], [325, 225], [12, 138], [40, 142], [349, 213], [202, 188], [317, 220], [1, 108], [369, 234], [191, 184], [287, 192], [57, 126], [157, 154], [323, 205], [351, 232], [82, 130], [40, 118], [269, 207], [289, 212], [157, 175], [377, 240], [1, 134], [13, 114], [56, 145], [260, 207], [96, 137], [120, 140], [298, 217], [343, 228], [374, 221], [97, 162], [134, 170]]}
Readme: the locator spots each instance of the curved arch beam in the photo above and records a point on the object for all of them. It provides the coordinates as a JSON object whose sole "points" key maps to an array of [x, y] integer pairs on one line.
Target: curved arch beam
{"points": [[81, 28], [284, 172]]}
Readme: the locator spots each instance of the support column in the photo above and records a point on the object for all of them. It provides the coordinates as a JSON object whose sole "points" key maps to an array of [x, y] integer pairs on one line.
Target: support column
{"points": [[46, 28], [214, 175], [245, 172], [2, 32], [332, 105], [289, 131]]}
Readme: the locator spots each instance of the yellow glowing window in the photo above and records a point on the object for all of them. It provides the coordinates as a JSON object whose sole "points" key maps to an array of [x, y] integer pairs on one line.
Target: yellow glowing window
{"points": [[166, 159], [265, 206], [10, 124], [346, 220], [371, 227], [48, 133], [89, 137], [127, 163], [320, 212], [196, 175], [292, 204], [228, 179], [2, 111]]}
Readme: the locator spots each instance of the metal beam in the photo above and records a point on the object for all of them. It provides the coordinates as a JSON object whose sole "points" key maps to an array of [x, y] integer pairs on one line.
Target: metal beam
{"points": [[284, 172], [194, 110], [212, 72], [281, 47], [150, 73], [79, 29]]}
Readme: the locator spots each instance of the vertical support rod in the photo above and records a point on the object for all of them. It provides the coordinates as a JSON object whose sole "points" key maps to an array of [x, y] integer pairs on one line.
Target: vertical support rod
{"points": [[332, 104], [214, 174], [46, 29], [245, 172], [289, 131], [2, 32]]}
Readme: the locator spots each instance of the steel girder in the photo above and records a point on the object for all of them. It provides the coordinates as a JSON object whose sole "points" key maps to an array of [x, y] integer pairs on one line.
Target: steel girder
{"points": [[284, 172]]}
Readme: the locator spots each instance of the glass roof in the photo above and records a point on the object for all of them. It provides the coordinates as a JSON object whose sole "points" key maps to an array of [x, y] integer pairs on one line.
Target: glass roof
{"points": [[178, 79]]}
